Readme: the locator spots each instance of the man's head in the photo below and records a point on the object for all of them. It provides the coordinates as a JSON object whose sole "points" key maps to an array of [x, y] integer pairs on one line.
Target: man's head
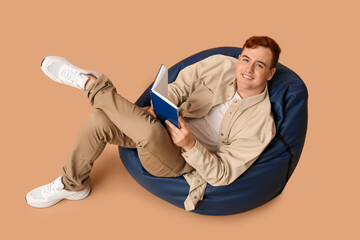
{"points": [[256, 65], [265, 42]]}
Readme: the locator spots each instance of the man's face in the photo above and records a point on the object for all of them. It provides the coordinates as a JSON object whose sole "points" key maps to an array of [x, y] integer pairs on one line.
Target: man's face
{"points": [[253, 71]]}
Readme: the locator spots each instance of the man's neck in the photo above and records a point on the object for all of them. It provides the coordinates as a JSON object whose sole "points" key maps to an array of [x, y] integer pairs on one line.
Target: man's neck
{"points": [[244, 93]]}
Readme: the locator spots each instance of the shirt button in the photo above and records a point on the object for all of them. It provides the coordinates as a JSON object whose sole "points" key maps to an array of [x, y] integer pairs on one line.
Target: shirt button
{"points": [[230, 113], [195, 197], [222, 134]]}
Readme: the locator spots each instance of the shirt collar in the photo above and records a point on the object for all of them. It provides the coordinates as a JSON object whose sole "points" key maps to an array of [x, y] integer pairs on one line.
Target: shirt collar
{"points": [[250, 101]]}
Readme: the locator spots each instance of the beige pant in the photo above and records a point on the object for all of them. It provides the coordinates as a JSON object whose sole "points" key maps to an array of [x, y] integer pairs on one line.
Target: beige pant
{"points": [[119, 122]]}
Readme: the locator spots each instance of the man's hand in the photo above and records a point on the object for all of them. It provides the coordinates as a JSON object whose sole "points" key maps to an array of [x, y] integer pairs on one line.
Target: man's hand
{"points": [[151, 112], [182, 136]]}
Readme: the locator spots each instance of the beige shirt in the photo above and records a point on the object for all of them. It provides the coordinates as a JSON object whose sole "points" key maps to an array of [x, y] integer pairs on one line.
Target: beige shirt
{"points": [[206, 129], [245, 131]]}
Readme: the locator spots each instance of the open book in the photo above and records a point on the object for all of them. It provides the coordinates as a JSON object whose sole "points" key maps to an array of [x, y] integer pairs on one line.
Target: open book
{"points": [[163, 108]]}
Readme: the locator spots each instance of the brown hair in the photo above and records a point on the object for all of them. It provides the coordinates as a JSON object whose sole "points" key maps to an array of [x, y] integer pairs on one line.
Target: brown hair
{"points": [[266, 42]]}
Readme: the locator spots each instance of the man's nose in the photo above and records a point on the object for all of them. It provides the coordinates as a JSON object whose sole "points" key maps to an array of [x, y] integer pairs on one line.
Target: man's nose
{"points": [[250, 68]]}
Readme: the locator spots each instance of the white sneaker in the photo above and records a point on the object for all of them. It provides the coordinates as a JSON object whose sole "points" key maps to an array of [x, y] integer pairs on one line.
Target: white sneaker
{"points": [[52, 193], [63, 71]]}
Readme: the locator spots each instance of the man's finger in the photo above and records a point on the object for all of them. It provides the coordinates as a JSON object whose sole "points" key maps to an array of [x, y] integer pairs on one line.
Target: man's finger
{"points": [[182, 123], [181, 119], [171, 132], [171, 127], [152, 113]]}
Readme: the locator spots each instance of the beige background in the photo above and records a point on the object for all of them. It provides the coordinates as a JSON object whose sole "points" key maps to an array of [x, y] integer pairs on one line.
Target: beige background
{"points": [[128, 40]]}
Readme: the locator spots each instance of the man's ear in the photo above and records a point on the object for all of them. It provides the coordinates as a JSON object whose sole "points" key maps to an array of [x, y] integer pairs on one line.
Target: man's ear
{"points": [[271, 73]]}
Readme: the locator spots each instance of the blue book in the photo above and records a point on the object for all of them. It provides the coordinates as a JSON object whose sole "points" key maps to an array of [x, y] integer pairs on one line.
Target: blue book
{"points": [[163, 108]]}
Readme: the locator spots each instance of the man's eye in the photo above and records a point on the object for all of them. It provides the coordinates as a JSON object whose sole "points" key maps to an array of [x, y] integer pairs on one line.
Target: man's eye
{"points": [[260, 66], [245, 60]]}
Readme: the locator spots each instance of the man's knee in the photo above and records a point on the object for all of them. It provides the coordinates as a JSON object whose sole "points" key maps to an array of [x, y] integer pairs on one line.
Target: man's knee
{"points": [[98, 119], [100, 126]]}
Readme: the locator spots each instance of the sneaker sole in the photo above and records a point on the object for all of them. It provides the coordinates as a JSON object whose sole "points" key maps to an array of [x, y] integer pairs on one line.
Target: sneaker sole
{"points": [[42, 62], [51, 203]]}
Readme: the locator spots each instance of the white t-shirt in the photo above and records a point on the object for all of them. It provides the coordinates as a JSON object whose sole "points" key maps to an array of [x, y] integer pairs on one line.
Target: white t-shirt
{"points": [[206, 130]]}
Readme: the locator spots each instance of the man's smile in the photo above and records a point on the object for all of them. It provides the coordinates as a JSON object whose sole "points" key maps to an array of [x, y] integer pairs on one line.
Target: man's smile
{"points": [[247, 76]]}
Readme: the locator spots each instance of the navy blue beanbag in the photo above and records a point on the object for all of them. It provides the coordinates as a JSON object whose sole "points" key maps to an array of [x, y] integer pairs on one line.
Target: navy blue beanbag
{"points": [[267, 177]]}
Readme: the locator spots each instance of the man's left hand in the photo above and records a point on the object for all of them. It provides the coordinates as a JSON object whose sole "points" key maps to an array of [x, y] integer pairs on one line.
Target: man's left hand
{"points": [[182, 136]]}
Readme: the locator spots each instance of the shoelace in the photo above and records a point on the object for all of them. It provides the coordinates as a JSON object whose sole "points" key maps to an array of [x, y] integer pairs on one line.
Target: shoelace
{"points": [[70, 74], [50, 187]]}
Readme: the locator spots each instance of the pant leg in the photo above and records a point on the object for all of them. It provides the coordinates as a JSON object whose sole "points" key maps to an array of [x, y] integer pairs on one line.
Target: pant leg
{"points": [[97, 131], [157, 153]]}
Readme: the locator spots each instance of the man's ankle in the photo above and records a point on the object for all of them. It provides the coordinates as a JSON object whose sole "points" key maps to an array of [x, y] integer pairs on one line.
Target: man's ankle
{"points": [[91, 80]]}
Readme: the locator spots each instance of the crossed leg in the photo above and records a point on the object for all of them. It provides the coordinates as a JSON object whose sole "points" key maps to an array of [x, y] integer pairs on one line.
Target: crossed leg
{"points": [[120, 122], [115, 121]]}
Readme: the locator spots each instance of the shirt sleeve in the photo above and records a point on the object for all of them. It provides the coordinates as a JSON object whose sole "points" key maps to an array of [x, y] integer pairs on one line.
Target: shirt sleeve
{"points": [[192, 76], [232, 159], [180, 89]]}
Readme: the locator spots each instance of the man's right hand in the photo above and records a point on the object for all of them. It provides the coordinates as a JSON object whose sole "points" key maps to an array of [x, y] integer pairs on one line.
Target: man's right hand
{"points": [[151, 112]]}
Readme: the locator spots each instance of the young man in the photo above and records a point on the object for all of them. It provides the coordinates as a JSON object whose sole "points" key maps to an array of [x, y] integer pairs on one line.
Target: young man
{"points": [[225, 123]]}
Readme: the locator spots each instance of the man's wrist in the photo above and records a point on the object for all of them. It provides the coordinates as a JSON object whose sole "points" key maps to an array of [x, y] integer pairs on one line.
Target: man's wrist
{"points": [[190, 146]]}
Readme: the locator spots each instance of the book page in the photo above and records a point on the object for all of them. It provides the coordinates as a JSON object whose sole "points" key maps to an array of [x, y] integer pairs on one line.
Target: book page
{"points": [[161, 82]]}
